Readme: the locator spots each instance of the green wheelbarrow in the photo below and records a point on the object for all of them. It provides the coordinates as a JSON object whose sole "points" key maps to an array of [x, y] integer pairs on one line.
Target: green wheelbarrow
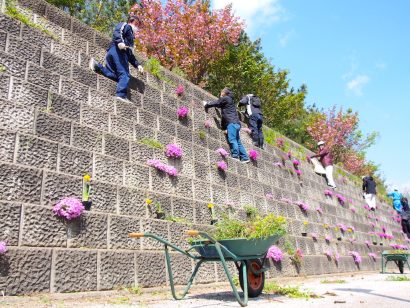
{"points": [[248, 255], [399, 257]]}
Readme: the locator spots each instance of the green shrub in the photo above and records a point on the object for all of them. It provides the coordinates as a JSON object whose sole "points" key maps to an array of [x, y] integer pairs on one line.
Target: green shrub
{"points": [[289, 291], [251, 212], [152, 143]]}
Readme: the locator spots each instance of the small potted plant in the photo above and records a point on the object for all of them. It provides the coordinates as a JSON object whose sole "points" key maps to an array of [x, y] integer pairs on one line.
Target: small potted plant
{"points": [[338, 233], [305, 227], [86, 192], [211, 207], [159, 212]]}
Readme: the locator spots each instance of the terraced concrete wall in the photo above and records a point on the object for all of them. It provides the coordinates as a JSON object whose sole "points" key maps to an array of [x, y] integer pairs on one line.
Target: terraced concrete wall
{"points": [[59, 121]]}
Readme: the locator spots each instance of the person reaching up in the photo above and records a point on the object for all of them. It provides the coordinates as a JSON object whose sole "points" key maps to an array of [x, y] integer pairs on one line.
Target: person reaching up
{"points": [[325, 163]]}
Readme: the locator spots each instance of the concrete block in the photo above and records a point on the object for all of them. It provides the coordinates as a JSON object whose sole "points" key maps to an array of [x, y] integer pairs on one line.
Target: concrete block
{"points": [[51, 127], [7, 140], [94, 118], [74, 90], [75, 270], [106, 85], [183, 187], [122, 127], [87, 138], [150, 268], [55, 64], [165, 138], [102, 101], [13, 66], [143, 131], [104, 197], [15, 117], [28, 94], [88, 231], [10, 222], [202, 213], [64, 107], [167, 126], [156, 226], [116, 270], [148, 119], [36, 36], [43, 78], [161, 182], [181, 268], [25, 271], [37, 152], [30, 52], [75, 161], [152, 104], [108, 169], [120, 227], [136, 176], [10, 25], [183, 208], [117, 147], [84, 76], [20, 184], [132, 202], [184, 133], [58, 186], [42, 228]]}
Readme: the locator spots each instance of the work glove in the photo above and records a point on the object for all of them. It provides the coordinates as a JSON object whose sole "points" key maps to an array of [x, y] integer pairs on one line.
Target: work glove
{"points": [[140, 69], [205, 103], [122, 46]]}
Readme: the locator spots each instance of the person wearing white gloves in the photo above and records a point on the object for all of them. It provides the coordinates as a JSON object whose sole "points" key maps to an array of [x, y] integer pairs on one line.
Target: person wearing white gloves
{"points": [[119, 54]]}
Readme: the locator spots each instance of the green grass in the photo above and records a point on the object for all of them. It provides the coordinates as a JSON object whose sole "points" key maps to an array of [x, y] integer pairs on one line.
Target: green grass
{"points": [[122, 300], [152, 143], [2, 69], [289, 291], [13, 12], [176, 219], [333, 281], [134, 290], [202, 135], [398, 278]]}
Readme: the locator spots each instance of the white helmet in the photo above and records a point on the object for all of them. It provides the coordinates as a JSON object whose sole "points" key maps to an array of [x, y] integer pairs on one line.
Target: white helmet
{"points": [[320, 143]]}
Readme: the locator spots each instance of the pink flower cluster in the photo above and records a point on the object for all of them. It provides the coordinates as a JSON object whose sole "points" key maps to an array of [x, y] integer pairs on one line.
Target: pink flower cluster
{"points": [[269, 196], [68, 208], [356, 257], [298, 172], [180, 90], [341, 199], [336, 257], [328, 253], [182, 112], [298, 253], [353, 210], [372, 255], [3, 247], [275, 254], [278, 164], [372, 224], [289, 154], [222, 165], [173, 151], [295, 162], [302, 205], [367, 243], [207, 123], [328, 238], [328, 193], [352, 240], [222, 152], [342, 227], [157, 164], [319, 210], [314, 236], [253, 154], [399, 246]]}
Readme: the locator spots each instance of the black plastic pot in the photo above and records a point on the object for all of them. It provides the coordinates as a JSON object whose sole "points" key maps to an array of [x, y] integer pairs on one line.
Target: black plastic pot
{"points": [[87, 205], [375, 243], [339, 238], [381, 244], [214, 221], [304, 234], [160, 215]]}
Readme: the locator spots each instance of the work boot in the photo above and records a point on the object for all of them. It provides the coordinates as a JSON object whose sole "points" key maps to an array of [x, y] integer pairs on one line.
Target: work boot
{"points": [[93, 65], [123, 99]]}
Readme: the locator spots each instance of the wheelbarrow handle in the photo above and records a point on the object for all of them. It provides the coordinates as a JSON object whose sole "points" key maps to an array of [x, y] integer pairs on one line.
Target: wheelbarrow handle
{"points": [[192, 232], [136, 235]]}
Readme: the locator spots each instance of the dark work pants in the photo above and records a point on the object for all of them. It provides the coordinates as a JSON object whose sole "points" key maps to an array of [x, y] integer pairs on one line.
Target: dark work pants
{"points": [[255, 124], [117, 69], [405, 225]]}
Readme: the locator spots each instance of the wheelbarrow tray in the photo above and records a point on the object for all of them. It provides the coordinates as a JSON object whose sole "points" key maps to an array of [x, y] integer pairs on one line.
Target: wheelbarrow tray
{"points": [[240, 247]]}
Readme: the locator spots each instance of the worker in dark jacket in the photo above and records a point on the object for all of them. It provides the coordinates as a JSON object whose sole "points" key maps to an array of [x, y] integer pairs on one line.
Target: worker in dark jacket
{"points": [[119, 54], [369, 191], [405, 217], [255, 119], [230, 122]]}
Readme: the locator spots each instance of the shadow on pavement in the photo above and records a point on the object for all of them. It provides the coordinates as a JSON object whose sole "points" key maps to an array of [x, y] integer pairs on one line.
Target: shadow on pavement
{"points": [[369, 291]]}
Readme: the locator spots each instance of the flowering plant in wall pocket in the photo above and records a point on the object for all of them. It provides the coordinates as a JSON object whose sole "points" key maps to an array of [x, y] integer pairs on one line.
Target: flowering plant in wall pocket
{"points": [[211, 208], [3, 247], [69, 208], [253, 155], [160, 166], [275, 254], [328, 193], [182, 112], [222, 166], [156, 206], [356, 257], [207, 123], [180, 90], [173, 151], [86, 192], [222, 152]]}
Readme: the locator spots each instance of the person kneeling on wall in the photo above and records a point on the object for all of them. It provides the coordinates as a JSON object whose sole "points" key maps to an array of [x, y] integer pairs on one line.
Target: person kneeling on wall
{"points": [[231, 123], [119, 54], [255, 119], [325, 163]]}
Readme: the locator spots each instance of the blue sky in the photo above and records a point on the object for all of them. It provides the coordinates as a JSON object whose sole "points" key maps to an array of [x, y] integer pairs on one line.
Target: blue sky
{"points": [[352, 53]]}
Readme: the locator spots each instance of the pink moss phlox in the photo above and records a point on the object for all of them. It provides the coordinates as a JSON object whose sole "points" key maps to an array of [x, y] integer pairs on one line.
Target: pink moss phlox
{"points": [[222, 152], [299, 253], [314, 236], [223, 166], [3, 247], [68, 208], [341, 199], [180, 90], [353, 210], [356, 257], [269, 196], [275, 254], [336, 257], [328, 253], [367, 243], [295, 162], [278, 164], [253, 154], [352, 240], [372, 255], [182, 112], [342, 227], [328, 238], [328, 193], [173, 151], [286, 200], [302, 205], [319, 210], [207, 123], [289, 154], [157, 164], [298, 172], [280, 143]]}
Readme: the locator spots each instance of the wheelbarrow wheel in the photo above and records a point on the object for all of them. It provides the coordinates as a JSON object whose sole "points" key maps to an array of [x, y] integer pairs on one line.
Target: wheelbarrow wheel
{"points": [[255, 282], [400, 264]]}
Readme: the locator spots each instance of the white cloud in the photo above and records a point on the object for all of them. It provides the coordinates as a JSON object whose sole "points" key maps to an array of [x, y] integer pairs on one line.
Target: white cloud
{"points": [[356, 84], [254, 12], [284, 38]]}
